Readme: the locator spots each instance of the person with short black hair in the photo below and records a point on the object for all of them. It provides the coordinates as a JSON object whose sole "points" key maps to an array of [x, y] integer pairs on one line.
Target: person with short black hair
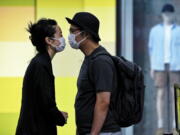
{"points": [[39, 114], [92, 105]]}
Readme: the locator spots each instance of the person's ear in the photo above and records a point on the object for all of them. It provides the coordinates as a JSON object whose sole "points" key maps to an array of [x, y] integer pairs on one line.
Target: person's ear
{"points": [[48, 41]]}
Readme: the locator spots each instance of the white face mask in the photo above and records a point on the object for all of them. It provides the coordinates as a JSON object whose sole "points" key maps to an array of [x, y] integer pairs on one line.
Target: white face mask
{"points": [[72, 41], [61, 46]]}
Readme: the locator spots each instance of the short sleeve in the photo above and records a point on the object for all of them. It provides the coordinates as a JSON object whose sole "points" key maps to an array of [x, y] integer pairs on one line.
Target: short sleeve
{"points": [[103, 74]]}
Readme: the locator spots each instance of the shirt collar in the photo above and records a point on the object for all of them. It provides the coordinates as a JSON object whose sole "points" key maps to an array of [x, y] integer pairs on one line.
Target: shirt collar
{"points": [[173, 25]]}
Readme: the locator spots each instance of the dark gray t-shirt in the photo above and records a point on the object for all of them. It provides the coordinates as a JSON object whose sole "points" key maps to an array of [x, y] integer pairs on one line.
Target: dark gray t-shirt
{"points": [[103, 78]]}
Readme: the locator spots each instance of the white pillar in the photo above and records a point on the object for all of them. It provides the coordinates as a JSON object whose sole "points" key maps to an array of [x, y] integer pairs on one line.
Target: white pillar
{"points": [[127, 28], [127, 40]]}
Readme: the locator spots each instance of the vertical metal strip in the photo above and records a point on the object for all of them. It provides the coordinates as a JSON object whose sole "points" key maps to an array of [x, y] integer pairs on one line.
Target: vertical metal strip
{"points": [[118, 27], [127, 29], [127, 40]]}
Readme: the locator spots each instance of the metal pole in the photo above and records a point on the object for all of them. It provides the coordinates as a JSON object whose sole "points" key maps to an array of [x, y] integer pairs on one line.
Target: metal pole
{"points": [[127, 40]]}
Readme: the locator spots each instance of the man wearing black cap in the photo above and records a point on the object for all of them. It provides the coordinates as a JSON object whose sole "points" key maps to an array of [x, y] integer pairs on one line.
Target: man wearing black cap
{"points": [[96, 81], [164, 47]]}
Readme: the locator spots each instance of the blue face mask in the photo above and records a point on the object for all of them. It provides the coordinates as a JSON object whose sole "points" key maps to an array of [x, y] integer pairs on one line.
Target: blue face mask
{"points": [[61, 46], [72, 40]]}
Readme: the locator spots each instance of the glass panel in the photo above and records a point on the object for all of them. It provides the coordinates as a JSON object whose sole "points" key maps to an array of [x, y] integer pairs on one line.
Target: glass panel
{"points": [[156, 49]]}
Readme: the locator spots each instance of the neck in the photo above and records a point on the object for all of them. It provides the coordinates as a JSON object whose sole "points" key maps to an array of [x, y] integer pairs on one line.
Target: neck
{"points": [[51, 53], [88, 47]]}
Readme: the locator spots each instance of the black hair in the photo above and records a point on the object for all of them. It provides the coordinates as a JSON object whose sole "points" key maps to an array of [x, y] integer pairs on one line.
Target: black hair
{"points": [[168, 8], [90, 36], [39, 30], [93, 38]]}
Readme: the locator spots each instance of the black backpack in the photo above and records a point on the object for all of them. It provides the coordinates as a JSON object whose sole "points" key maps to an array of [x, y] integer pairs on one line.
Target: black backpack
{"points": [[127, 101]]}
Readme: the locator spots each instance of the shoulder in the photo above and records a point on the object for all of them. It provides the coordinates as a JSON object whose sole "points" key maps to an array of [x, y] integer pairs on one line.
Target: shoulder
{"points": [[103, 58], [156, 28], [41, 60], [103, 61], [37, 64], [177, 27], [37, 61], [34, 67]]}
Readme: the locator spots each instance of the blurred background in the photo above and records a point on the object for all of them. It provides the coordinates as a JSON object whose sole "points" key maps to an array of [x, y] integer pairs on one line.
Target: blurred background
{"points": [[124, 30]]}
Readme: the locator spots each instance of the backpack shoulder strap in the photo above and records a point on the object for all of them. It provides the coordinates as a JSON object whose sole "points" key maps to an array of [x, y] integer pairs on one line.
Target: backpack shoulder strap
{"points": [[90, 61]]}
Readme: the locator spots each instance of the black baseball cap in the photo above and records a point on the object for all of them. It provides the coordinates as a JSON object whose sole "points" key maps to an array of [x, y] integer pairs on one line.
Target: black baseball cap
{"points": [[168, 8], [87, 22]]}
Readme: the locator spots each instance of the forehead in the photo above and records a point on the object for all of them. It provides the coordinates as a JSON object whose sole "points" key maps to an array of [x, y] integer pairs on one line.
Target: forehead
{"points": [[58, 29]]}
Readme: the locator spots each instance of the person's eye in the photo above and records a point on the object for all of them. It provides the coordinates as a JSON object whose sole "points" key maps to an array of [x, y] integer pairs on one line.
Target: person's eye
{"points": [[71, 30]]}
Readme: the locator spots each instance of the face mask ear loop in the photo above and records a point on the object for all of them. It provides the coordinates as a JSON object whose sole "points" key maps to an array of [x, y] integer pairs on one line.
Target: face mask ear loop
{"points": [[82, 40]]}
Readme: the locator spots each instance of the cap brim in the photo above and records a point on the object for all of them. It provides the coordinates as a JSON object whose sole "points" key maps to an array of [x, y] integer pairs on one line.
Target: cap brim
{"points": [[70, 21]]}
